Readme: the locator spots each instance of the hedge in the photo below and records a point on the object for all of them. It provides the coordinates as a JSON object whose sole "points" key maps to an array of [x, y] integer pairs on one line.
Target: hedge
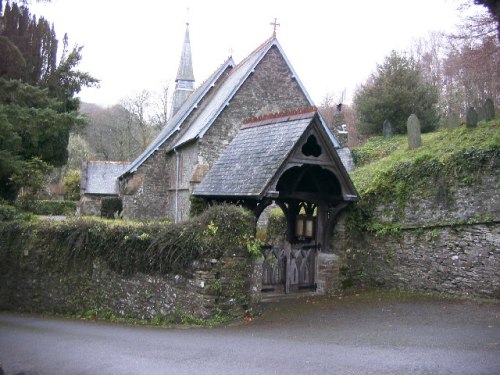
{"points": [[53, 207], [128, 247]]}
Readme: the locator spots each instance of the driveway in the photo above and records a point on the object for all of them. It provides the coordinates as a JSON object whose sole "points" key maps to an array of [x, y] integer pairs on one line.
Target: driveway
{"points": [[371, 333]]}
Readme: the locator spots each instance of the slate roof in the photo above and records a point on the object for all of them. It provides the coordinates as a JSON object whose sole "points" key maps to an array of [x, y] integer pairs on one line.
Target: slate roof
{"points": [[101, 177], [185, 72], [217, 103], [230, 86], [252, 159], [178, 118]]}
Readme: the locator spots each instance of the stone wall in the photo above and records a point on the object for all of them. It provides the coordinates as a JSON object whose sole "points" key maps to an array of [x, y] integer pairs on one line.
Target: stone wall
{"points": [[209, 285], [447, 240], [145, 193], [460, 259], [90, 205]]}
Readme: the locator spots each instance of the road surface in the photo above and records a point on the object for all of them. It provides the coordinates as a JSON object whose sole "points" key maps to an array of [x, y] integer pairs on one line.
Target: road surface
{"points": [[365, 334]]}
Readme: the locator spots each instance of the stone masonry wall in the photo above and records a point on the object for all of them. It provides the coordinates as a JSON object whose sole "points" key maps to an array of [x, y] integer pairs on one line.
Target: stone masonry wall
{"points": [[462, 260], [97, 290], [145, 196], [447, 242]]}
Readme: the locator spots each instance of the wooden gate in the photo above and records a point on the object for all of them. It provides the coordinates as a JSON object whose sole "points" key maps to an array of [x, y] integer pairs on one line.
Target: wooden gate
{"points": [[286, 270]]}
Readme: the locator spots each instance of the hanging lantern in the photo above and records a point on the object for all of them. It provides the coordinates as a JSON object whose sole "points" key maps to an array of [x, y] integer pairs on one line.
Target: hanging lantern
{"points": [[304, 227]]}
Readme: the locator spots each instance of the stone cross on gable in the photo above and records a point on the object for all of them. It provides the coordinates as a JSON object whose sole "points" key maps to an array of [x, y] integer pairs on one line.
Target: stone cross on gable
{"points": [[274, 24]]}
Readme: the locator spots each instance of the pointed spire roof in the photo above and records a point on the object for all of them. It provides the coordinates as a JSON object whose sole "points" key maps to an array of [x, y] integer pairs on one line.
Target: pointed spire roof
{"points": [[184, 82], [185, 72]]}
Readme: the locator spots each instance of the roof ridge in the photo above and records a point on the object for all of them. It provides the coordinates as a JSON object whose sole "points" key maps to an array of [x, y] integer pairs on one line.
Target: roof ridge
{"points": [[108, 161], [226, 61], [290, 114], [255, 51]]}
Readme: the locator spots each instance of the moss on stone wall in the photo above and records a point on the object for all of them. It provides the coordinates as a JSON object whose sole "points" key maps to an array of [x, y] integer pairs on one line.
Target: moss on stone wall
{"points": [[428, 218], [136, 270]]}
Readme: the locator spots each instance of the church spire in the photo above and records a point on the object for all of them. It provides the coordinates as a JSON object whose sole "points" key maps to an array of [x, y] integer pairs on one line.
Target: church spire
{"points": [[184, 82]]}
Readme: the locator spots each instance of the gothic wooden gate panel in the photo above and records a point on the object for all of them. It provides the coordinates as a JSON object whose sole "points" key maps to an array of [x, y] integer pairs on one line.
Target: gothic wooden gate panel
{"points": [[302, 268], [288, 270], [273, 269]]}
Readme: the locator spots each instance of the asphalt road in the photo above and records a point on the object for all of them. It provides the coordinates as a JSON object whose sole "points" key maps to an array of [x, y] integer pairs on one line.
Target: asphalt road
{"points": [[367, 334]]}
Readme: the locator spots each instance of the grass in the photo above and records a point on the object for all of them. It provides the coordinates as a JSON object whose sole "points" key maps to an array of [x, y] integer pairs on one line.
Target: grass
{"points": [[380, 156]]}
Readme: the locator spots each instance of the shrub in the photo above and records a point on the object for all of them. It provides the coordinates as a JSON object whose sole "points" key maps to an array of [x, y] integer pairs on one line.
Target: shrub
{"points": [[198, 206], [276, 226], [7, 212], [111, 207], [51, 207], [72, 185], [128, 247]]}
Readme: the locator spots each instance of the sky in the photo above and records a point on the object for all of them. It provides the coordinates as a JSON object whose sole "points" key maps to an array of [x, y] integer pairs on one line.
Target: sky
{"points": [[333, 45]]}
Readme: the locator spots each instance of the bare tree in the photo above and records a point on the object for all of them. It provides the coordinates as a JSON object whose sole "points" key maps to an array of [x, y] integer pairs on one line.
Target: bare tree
{"points": [[161, 106], [330, 106]]}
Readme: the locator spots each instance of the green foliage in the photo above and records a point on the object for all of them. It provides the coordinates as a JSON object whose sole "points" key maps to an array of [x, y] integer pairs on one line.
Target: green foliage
{"points": [[254, 247], [30, 47], [198, 205], [216, 230], [128, 247], [72, 185], [31, 179], [394, 92], [276, 226], [392, 173], [375, 149], [7, 211], [111, 207], [37, 104], [51, 207], [34, 40], [31, 127]]}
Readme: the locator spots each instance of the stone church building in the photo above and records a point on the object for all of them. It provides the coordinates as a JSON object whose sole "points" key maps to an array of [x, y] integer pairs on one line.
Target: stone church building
{"points": [[204, 120], [249, 134]]}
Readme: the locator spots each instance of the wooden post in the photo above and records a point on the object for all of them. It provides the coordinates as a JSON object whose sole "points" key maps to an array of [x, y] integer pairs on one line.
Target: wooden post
{"points": [[288, 250]]}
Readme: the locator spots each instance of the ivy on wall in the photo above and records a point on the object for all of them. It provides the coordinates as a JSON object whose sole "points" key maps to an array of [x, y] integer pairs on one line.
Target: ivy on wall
{"points": [[128, 247]]}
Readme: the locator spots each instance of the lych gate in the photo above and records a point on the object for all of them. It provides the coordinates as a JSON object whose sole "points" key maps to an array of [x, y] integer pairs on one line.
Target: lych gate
{"points": [[288, 160]]}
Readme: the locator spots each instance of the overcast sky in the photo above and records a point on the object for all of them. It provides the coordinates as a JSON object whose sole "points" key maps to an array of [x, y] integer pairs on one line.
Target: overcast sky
{"points": [[333, 45]]}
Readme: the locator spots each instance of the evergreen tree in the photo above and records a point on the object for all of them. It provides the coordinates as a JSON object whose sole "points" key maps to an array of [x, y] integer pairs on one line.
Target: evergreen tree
{"points": [[38, 107], [393, 93]]}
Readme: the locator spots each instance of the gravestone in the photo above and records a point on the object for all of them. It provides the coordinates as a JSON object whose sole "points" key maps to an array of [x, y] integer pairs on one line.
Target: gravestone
{"points": [[489, 110], [387, 129], [472, 118], [413, 130]]}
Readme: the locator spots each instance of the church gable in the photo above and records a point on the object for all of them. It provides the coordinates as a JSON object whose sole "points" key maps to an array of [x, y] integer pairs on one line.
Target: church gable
{"points": [[182, 119], [270, 88], [205, 124], [271, 67]]}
